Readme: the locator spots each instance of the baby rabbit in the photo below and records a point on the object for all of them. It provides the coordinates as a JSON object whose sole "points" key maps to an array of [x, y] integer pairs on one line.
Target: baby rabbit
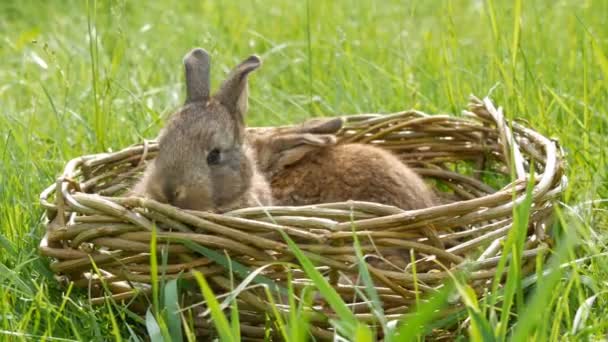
{"points": [[204, 161], [305, 166]]}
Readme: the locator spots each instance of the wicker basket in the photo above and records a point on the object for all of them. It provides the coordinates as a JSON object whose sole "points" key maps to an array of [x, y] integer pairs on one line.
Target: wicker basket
{"points": [[88, 220]]}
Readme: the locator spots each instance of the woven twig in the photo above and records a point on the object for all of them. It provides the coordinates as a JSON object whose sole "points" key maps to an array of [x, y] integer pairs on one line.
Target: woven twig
{"points": [[90, 221]]}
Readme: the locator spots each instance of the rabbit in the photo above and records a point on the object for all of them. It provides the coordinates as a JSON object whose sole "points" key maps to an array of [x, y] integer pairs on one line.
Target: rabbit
{"points": [[204, 161], [305, 165]]}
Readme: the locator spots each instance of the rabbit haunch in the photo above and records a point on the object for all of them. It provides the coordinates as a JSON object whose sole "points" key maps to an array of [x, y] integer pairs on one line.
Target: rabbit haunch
{"points": [[204, 161], [305, 166]]}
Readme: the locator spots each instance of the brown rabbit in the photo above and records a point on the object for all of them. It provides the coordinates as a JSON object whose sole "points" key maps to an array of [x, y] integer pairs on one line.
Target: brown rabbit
{"points": [[305, 166], [204, 161]]}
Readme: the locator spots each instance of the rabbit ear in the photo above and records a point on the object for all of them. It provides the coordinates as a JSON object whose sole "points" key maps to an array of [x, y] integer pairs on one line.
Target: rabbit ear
{"points": [[196, 63], [289, 141], [291, 148], [233, 92], [321, 126]]}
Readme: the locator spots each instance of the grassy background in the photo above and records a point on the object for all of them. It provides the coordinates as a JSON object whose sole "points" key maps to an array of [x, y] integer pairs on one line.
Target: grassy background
{"points": [[79, 77]]}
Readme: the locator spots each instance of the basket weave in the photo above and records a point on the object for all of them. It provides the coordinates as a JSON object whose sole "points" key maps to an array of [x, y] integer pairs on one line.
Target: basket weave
{"points": [[88, 220]]}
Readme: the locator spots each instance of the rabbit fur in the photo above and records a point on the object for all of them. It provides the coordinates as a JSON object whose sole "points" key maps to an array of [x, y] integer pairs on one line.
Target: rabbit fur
{"points": [[204, 161]]}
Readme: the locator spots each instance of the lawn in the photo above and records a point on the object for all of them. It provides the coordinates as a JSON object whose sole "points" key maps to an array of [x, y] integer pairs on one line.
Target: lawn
{"points": [[80, 77]]}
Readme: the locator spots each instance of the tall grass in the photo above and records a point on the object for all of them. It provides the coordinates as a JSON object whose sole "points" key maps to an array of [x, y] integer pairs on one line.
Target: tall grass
{"points": [[88, 76]]}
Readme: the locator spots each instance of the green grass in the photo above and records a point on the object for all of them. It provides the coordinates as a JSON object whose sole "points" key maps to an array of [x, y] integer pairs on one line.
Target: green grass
{"points": [[81, 77]]}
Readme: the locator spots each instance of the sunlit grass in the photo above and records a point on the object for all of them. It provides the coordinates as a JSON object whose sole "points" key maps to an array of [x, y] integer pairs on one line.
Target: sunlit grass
{"points": [[82, 77]]}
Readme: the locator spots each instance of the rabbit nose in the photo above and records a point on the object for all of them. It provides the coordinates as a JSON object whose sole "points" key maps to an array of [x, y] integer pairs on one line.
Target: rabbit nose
{"points": [[174, 194]]}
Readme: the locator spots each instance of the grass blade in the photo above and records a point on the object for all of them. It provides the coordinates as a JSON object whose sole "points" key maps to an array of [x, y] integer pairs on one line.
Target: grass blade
{"points": [[516, 32], [582, 313], [480, 329], [171, 304], [234, 308], [154, 271], [235, 320], [279, 322], [219, 320], [153, 328], [301, 325], [602, 60]]}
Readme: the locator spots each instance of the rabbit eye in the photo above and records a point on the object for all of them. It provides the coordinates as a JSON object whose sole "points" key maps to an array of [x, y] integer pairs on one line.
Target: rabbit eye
{"points": [[213, 158]]}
